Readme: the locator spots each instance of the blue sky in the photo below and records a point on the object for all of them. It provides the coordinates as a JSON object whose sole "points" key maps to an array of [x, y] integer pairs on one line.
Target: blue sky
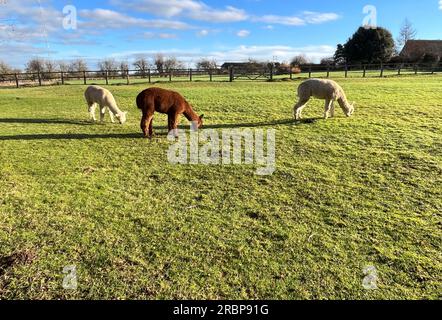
{"points": [[193, 29]]}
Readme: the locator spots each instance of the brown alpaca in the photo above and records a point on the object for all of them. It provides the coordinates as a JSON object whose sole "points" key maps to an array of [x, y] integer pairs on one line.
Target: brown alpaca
{"points": [[164, 101]]}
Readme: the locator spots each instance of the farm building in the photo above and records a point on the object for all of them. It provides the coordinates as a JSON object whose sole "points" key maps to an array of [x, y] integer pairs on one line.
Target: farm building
{"points": [[415, 50]]}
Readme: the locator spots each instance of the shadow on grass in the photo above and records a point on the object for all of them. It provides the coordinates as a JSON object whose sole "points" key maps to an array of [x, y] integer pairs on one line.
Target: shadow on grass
{"points": [[84, 136], [71, 136], [47, 121]]}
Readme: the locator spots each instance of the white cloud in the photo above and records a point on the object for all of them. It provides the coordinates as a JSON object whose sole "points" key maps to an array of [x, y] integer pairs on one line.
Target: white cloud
{"points": [[264, 53], [243, 33], [440, 4], [307, 17], [108, 19], [193, 9], [203, 33], [152, 35], [241, 53]]}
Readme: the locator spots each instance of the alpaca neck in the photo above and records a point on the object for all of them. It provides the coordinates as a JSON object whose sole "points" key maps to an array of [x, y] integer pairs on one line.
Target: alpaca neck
{"points": [[191, 115], [344, 103]]}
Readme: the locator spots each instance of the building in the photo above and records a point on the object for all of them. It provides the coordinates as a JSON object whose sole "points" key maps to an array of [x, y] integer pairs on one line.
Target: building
{"points": [[415, 50]]}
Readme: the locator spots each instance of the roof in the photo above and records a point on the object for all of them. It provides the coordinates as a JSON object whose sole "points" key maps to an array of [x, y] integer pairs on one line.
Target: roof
{"points": [[415, 49]]}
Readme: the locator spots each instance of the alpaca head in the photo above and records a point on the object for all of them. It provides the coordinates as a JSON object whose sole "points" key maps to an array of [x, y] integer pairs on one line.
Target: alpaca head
{"points": [[350, 110], [200, 121], [122, 117]]}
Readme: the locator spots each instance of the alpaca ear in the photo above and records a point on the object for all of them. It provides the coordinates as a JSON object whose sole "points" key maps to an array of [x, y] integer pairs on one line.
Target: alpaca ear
{"points": [[202, 116]]}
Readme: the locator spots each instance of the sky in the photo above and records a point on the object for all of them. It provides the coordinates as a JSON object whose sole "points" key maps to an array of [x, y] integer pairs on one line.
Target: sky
{"points": [[267, 30]]}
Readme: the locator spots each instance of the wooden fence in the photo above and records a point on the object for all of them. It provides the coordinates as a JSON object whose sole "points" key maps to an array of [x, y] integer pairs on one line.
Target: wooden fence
{"points": [[268, 73]]}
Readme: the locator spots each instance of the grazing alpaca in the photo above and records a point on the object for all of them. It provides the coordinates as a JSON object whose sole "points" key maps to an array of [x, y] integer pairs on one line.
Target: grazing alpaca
{"points": [[327, 90], [96, 95], [164, 101]]}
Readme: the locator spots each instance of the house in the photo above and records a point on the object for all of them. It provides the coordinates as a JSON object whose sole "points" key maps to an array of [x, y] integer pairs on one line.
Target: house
{"points": [[415, 50]]}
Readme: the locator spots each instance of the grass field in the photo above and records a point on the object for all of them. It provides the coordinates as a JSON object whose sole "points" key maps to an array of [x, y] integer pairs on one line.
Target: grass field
{"points": [[347, 193]]}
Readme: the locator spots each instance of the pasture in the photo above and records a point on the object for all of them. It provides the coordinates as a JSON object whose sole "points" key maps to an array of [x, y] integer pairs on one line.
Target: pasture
{"points": [[347, 193]]}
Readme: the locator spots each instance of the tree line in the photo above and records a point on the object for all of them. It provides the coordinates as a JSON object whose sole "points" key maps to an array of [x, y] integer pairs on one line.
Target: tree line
{"points": [[368, 45]]}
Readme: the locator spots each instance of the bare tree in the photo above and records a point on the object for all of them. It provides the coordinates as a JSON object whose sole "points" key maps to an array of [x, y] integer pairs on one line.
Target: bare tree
{"points": [[142, 65], [206, 65], [407, 32], [124, 68], [36, 65], [159, 63], [78, 65], [172, 63], [109, 65], [63, 66], [4, 68], [299, 60]]}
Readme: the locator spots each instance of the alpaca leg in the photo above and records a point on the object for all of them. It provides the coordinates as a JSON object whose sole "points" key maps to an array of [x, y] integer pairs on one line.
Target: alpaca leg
{"points": [[150, 120], [111, 115], [146, 125], [92, 108], [299, 107], [328, 107], [175, 123], [102, 113], [332, 109]]}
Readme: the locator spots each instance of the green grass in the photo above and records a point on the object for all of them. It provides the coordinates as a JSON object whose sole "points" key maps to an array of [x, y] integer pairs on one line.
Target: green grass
{"points": [[347, 193]]}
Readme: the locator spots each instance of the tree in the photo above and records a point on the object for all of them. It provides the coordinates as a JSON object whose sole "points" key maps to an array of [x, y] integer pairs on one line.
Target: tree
{"points": [[35, 66], [159, 63], [339, 56], [329, 61], [78, 65], [124, 68], [206, 65], [172, 63], [369, 46], [108, 65], [406, 33], [299, 60], [142, 65], [4, 68]]}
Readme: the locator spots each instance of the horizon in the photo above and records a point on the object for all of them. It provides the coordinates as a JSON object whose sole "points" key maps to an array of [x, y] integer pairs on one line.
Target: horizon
{"points": [[190, 30]]}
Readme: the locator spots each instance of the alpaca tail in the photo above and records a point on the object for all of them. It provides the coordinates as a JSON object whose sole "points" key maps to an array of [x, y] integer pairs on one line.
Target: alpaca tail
{"points": [[140, 100]]}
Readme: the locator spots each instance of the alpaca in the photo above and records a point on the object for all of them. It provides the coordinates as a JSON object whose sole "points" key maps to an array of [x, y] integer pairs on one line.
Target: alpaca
{"points": [[327, 90], [168, 102], [96, 95]]}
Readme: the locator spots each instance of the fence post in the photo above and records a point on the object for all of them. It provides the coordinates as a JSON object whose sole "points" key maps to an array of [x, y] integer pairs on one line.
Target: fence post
{"points": [[346, 71], [415, 69], [149, 75], [170, 75], [39, 78], [310, 71], [399, 70], [210, 75], [16, 80], [365, 71], [291, 73], [84, 77], [62, 77], [271, 72], [127, 77], [328, 71], [232, 74], [106, 75], [190, 75], [382, 70]]}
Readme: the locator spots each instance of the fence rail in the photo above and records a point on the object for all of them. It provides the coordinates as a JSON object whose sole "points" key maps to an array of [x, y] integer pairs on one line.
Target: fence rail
{"points": [[268, 73]]}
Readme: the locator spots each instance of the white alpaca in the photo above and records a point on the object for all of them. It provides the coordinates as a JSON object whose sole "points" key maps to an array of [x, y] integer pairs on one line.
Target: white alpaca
{"points": [[97, 95], [327, 90]]}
